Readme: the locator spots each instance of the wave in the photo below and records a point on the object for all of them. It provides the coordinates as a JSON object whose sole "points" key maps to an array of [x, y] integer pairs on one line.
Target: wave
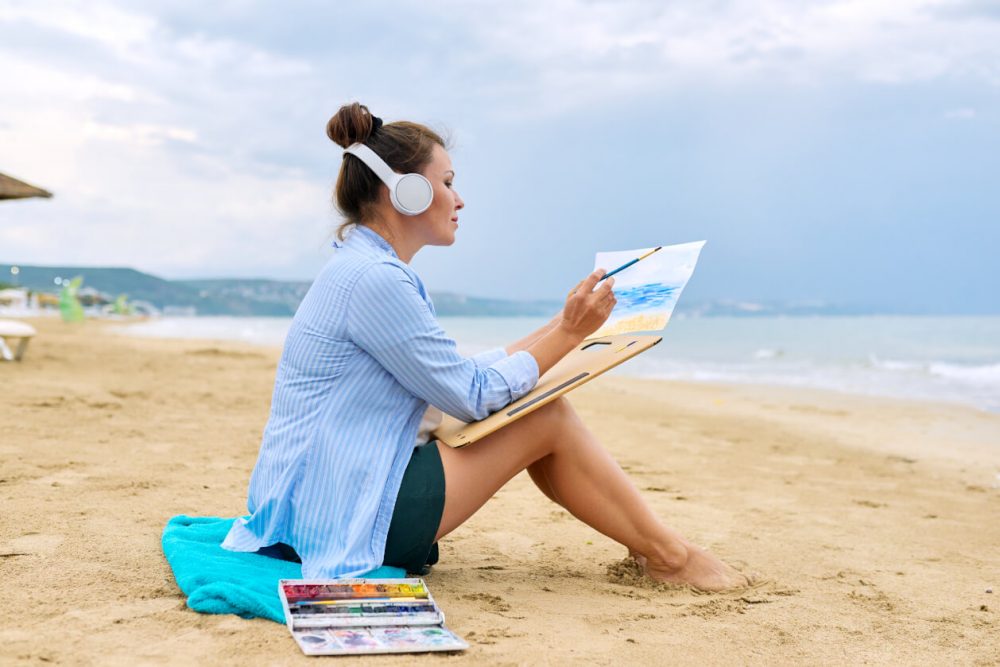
{"points": [[977, 385], [987, 374]]}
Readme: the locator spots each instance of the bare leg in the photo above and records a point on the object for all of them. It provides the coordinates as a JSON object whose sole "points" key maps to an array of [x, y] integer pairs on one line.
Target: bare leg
{"points": [[580, 475], [538, 475]]}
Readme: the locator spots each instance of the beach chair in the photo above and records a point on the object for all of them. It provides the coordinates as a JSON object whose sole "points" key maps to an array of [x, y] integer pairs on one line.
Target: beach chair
{"points": [[11, 330]]}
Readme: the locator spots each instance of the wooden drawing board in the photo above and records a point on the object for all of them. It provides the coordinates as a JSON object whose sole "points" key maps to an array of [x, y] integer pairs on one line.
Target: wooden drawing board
{"points": [[592, 358]]}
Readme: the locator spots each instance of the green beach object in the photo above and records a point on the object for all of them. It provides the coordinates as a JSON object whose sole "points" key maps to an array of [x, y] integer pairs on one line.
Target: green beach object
{"points": [[69, 304], [120, 306]]}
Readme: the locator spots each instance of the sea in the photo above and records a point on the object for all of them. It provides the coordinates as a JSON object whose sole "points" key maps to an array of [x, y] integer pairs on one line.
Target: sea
{"points": [[951, 359]]}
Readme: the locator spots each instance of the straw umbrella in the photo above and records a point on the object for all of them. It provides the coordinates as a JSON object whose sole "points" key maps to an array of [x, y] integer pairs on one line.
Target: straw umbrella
{"points": [[11, 188]]}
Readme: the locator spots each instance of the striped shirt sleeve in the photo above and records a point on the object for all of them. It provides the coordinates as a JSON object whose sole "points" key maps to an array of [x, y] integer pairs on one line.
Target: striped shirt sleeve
{"points": [[388, 317], [489, 357]]}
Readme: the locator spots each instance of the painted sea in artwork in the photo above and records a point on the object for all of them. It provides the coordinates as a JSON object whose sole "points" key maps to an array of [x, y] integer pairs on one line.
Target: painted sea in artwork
{"points": [[644, 307], [647, 291]]}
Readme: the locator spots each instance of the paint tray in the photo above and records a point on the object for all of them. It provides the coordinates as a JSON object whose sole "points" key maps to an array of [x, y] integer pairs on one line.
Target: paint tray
{"points": [[357, 616]]}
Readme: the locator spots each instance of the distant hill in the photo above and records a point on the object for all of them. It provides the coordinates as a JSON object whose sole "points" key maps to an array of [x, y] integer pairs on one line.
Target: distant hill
{"points": [[138, 286], [280, 298], [254, 296], [732, 308], [111, 280], [240, 297], [448, 304]]}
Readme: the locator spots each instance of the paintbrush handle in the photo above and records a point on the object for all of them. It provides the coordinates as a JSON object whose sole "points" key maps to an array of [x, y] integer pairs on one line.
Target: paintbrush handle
{"points": [[628, 264], [620, 268]]}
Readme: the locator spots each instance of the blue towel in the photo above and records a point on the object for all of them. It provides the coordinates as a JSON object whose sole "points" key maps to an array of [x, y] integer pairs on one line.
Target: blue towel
{"points": [[218, 581]]}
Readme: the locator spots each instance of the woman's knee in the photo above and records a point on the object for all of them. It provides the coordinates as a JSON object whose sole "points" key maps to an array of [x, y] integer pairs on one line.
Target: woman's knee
{"points": [[552, 417], [562, 407]]}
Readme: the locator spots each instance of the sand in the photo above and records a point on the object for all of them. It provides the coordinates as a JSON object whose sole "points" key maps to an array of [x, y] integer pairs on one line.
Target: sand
{"points": [[874, 523]]}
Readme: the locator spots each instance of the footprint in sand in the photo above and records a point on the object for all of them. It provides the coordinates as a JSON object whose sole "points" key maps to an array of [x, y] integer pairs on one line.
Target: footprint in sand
{"points": [[230, 354], [32, 544], [67, 477], [511, 545], [488, 602], [100, 615]]}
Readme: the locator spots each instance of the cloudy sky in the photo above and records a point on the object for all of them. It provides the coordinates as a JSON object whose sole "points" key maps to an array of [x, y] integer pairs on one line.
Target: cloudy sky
{"points": [[844, 151]]}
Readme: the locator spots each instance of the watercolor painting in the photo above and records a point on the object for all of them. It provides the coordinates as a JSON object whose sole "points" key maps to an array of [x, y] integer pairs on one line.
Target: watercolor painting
{"points": [[647, 291]]}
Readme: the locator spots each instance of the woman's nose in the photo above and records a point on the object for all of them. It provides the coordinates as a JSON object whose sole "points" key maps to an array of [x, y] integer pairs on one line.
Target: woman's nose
{"points": [[459, 203]]}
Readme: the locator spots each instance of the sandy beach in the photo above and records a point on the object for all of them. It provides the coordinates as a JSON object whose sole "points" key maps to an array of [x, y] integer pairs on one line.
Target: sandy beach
{"points": [[874, 524]]}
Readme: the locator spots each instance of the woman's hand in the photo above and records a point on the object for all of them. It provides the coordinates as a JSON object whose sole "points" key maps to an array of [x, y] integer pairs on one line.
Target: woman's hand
{"points": [[586, 309]]}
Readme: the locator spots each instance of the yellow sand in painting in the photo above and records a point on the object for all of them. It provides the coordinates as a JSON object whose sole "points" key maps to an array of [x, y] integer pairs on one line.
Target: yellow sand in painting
{"points": [[634, 323]]}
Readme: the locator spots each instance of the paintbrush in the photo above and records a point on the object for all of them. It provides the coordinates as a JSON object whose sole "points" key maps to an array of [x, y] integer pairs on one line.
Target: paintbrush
{"points": [[630, 263]]}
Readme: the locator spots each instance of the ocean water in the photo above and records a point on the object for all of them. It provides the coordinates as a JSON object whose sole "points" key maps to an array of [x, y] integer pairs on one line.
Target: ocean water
{"points": [[955, 359]]}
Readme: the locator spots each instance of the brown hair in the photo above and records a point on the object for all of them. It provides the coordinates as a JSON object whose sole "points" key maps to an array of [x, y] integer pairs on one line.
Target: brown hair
{"points": [[406, 147]]}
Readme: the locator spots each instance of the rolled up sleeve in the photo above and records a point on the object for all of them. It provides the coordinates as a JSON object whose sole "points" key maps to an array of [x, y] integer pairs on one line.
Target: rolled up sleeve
{"points": [[519, 371], [489, 357], [389, 319]]}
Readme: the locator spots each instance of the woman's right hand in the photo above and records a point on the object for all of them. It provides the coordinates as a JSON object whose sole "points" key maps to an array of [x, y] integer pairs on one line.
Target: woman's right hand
{"points": [[586, 309]]}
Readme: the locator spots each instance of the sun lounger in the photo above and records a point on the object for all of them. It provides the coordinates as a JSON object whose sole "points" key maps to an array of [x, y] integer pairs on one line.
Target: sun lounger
{"points": [[11, 330]]}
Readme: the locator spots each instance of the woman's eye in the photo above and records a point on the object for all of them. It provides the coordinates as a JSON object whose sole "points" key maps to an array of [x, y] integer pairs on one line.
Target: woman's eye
{"points": [[447, 184]]}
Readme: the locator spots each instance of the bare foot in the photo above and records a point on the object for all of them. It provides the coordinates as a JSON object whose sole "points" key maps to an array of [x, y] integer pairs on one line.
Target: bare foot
{"points": [[701, 570]]}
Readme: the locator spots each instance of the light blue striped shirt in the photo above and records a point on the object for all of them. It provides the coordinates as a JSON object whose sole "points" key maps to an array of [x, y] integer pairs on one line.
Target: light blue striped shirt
{"points": [[363, 359]]}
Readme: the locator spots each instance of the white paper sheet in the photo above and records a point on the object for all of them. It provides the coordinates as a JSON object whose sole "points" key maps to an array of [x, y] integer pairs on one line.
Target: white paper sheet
{"points": [[648, 290]]}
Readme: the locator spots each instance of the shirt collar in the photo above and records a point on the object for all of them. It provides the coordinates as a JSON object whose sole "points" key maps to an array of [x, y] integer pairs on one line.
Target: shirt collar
{"points": [[366, 236]]}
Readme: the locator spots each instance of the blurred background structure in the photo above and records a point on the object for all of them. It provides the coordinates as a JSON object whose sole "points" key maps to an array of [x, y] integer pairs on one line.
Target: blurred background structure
{"points": [[11, 188]]}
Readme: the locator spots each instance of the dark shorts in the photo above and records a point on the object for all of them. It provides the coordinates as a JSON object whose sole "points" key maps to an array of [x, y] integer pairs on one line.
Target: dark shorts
{"points": [[417, 515], [415, 518]]}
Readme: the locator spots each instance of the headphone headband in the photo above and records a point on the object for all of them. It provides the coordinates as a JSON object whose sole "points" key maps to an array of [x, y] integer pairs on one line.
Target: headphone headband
{"points": [[374, 162], [410, 194]]}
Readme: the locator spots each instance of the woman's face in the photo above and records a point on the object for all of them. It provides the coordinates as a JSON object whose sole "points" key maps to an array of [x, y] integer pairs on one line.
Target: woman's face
{"points": [[439, 222]]}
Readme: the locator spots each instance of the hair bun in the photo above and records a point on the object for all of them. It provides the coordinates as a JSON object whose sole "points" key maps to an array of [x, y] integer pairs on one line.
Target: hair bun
{"points": [[353, 123]]}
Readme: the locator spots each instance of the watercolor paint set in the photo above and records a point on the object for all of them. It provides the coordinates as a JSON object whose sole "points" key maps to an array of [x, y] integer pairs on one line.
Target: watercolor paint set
{"points": [[354, 616]]}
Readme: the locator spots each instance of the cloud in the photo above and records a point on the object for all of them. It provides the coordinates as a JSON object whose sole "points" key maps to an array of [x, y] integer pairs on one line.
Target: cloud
{"points": [[963, 113], [117, 29], [151, 153], [178, 136], [139, 134], [571, 52], [968, 9]]}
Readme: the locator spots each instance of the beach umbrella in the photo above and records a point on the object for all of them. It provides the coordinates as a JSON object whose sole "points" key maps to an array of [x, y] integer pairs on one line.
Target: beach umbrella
{"points": [[11, 188]]}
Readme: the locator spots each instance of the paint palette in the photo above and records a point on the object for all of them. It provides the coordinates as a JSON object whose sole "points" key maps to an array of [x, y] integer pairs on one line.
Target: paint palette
{"points": [[353, 616]]}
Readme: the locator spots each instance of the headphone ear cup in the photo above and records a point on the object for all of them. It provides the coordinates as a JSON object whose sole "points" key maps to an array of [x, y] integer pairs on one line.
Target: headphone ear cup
{"points": [[412, 194]]}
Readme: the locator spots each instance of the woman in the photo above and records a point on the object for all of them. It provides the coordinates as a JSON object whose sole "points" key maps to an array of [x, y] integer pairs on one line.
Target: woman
{"points": [[346, 479]]}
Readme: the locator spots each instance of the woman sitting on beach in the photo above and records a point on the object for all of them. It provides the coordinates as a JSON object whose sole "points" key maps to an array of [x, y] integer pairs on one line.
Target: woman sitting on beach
{"points": [[347, 478]]}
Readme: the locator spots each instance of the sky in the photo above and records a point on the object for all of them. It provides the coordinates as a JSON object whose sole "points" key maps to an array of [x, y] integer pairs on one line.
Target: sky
{"points": [[839, 151]]}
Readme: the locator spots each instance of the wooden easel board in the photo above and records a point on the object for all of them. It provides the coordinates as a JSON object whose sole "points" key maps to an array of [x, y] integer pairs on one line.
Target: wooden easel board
{"points": [[592, 358]]}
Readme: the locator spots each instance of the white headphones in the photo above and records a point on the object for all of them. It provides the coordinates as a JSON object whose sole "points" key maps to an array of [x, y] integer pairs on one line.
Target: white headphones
{"points": [[410, 194]]}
